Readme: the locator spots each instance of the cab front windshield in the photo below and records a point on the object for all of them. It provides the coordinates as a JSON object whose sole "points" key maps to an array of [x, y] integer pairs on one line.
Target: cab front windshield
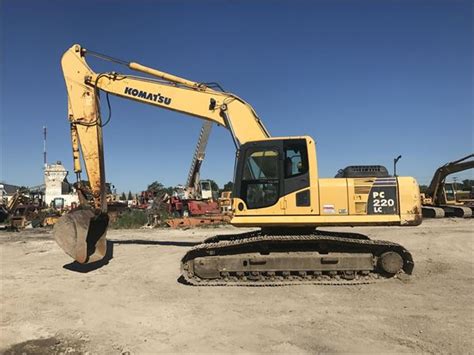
{"points": [[260, 180], [450, 192], [205, 185]]}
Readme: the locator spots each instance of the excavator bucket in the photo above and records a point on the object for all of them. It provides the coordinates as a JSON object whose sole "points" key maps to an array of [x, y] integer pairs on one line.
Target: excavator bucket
{"points": [[81, 234]]}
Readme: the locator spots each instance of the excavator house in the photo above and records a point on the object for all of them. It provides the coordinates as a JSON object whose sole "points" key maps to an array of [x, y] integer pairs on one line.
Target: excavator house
{"points": [[276, 188]]}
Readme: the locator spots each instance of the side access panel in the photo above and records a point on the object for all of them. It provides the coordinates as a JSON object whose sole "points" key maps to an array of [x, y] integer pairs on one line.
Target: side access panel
{"points": [[364, 196]]}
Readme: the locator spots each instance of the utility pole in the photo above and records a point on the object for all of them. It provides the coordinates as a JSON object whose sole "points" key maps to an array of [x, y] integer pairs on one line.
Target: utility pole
{"points": [[45, 162]]}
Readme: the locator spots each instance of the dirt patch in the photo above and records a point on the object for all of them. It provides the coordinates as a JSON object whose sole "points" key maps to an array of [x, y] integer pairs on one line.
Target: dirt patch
{"points": [[47, 346]]}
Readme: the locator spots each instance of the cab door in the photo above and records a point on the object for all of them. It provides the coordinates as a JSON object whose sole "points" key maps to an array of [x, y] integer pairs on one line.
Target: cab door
{"points": [[296, 177], [259, 178]]}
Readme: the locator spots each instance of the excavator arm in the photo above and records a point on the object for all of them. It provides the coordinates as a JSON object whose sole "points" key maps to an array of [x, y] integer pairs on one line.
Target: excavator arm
{"points": [[159, 89]]}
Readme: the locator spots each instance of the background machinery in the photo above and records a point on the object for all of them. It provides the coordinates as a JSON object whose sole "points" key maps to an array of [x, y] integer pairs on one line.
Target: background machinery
{"points": [[225, 202], [276, 188], [193, 186], [191, 204], [440, 200], [196, 197], [18, 210], [26, 208]]}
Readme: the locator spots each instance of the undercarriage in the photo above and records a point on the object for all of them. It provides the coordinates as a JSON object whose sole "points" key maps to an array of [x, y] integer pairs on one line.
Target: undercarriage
{"points": [[266, 258]]}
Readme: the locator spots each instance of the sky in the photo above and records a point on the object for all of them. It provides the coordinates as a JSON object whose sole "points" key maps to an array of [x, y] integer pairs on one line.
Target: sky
{"points": [[368, 80]]}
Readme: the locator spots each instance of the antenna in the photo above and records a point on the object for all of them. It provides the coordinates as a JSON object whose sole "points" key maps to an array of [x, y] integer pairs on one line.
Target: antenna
{"points": [[44, 147]]}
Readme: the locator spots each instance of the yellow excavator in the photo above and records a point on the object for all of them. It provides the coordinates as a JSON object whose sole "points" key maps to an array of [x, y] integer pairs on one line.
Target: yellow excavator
{"points": [[276, 188], [439, 199], [17, 208]]}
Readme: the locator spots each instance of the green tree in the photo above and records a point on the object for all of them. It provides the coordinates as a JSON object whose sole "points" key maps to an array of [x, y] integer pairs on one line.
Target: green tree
{"points": [[423, 188], [85, 183], [130, 196], [228, 186], [158, 189], [155, 187], [467, 184], [123, 197]]}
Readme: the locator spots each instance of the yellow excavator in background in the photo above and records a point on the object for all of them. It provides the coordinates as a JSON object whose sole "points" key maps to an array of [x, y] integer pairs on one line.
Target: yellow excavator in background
{"points": [[440, 200], [276, 188], [17, 208]]}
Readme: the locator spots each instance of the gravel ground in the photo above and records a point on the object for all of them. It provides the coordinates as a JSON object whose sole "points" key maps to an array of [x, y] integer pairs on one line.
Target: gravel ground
{"points": [[134, 304]]}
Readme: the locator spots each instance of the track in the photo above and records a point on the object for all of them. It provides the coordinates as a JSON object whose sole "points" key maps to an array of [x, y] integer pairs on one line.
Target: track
{"points": [[451, 211], [260, 244]]}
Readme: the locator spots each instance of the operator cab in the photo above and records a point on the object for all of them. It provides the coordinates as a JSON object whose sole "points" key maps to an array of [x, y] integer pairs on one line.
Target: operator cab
{"points": [[268, 170]]}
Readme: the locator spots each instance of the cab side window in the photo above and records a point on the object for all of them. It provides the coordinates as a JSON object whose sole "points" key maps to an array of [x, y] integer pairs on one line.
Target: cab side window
{"points": [[296, 159]]}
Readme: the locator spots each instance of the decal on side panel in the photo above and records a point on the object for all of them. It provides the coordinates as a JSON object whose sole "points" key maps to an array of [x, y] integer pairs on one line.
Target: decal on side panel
{"points": [[383, 197]]}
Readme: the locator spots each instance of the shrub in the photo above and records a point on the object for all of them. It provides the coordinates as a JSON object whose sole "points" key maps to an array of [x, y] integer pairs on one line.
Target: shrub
{"points": [[130, 220]]}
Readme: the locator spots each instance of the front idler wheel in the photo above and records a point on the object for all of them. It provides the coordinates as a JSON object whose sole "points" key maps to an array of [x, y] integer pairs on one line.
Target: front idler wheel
{"points": [[390, 262]]}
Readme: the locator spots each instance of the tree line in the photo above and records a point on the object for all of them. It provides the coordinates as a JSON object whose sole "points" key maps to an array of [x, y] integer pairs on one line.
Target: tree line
{"points": [[465, 185]]}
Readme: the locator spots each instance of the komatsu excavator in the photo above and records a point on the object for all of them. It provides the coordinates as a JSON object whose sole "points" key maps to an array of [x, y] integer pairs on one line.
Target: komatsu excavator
{"points": [[276, 188]]}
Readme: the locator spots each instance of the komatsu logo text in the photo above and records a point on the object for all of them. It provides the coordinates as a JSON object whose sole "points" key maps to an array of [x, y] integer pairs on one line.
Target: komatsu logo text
{"points": [[148, 96]]}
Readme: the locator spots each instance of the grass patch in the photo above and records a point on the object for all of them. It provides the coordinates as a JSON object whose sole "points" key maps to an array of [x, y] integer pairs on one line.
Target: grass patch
{"points": [[130, 220]]}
